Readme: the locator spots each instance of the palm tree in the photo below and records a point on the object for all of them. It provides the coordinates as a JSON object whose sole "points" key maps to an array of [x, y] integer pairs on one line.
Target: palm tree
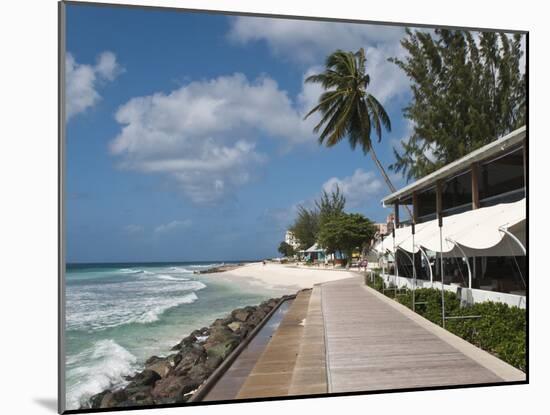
{"points": [[347, 108]]}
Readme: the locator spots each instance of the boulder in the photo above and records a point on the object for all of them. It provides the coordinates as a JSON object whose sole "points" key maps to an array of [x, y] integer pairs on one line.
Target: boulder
{"points": [[147, 377], [174, 387], [190, 358], [235, 326], [213, 361], [240, 314], [95, 400], [162, 365], [113, 399], [222, 349]]}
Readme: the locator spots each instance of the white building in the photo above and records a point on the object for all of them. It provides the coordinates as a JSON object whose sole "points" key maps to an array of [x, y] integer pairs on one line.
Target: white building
{"points": [[291, 239]]}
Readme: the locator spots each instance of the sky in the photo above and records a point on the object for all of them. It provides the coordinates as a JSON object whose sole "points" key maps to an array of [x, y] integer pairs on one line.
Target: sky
{"points": [[185, 132]]}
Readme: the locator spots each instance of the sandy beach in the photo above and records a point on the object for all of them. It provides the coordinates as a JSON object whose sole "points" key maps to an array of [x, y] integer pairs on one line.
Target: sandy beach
{"points": [[284, 276]]}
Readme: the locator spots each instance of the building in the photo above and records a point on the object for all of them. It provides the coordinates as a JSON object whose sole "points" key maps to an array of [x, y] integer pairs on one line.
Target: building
{"points": [[291, 240], [469, 216]]}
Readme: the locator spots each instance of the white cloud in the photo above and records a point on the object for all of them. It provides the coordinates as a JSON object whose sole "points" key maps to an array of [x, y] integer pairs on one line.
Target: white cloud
{"points": [[133, 229], [82, 81], [358, 189], [172, 226], [309, 42], [203, 134]]}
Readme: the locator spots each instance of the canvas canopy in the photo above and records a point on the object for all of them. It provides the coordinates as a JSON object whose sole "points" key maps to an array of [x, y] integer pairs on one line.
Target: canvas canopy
{"points": [[476, 232], [314, 248]]}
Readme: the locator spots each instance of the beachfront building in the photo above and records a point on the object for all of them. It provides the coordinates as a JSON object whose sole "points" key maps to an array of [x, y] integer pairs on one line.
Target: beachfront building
{"points": [[290, 239], [468, 226]]}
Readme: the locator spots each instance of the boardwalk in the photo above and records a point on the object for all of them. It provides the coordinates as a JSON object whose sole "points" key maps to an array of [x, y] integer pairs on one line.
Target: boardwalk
{"points": [[343, 337], [228, 386], [371, 345]]}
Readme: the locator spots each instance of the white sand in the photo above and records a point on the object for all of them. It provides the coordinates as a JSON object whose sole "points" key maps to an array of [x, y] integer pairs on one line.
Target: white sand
{"points": [[285, 276]]}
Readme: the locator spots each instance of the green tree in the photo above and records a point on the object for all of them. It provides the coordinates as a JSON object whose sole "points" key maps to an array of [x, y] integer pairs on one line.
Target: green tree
{"points": [[330, 205], [306, 226], [347, 108], [286, 249], [345, 233], [307, 223], [466, 92]]}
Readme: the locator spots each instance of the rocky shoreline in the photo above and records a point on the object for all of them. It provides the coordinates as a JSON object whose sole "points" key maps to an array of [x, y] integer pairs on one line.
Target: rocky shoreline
{"points": [[176, 377], [221, 268]]}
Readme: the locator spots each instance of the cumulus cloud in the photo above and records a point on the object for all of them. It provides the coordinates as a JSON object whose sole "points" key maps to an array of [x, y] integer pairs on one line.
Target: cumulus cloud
{"points": [[309, 42], [83, 81], [172, 226], [202, 135], [358, 188]]}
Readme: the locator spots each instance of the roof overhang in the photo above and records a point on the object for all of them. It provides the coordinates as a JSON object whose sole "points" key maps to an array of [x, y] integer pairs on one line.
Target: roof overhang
{"points": [[483, 153]]}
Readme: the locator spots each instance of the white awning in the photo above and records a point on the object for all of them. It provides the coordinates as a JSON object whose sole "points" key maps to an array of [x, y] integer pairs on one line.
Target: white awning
{"points": [[314, 248], [478, 232]]}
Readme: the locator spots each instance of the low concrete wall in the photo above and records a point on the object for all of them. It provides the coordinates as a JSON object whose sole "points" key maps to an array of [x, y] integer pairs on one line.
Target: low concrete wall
{"points": [[467, 295]]}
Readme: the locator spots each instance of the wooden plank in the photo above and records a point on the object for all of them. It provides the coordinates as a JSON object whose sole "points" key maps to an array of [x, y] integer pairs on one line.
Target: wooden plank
{"points": [[309, 375], [228, 386], [372, 346], [272, 374]]}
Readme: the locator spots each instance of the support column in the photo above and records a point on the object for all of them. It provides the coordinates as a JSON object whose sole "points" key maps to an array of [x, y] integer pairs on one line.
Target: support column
{"points": [[415, 207], [475, 186], [396, 214]]}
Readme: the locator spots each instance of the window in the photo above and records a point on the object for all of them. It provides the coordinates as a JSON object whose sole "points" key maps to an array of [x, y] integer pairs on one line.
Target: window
{"points": [[457, 191], [502, 176], [427, 202]]}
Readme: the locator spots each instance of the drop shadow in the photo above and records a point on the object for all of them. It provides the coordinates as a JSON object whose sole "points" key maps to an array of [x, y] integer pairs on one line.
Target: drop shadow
{"points": [[48, 403]]}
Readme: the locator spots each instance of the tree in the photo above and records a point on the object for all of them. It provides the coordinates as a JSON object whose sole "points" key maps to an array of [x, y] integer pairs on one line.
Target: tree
{"points": [[307, 223], [466, 92], [347, 108], [286, 249], [345, 233], [330, 205], [306, 227]]}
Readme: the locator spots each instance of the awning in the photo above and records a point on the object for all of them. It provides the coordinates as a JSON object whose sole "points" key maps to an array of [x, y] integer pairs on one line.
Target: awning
{"points": [[477, 232], [314, 248]]}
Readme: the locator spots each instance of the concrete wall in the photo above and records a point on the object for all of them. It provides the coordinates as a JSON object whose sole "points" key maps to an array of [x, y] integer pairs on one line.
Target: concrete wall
{"points": [[467, 295]]}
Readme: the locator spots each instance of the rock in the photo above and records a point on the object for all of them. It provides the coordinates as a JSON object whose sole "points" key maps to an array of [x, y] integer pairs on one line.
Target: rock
{"points": [[95, 400], [173, 387], [236, 325], [146, 378], [162, 366], [213, 361], [222, 349], [112, 399], [240, 314], [190, 358]]}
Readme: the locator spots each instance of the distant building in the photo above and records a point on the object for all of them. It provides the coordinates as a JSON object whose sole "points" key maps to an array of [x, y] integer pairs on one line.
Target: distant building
{"points": [[291, 239]]}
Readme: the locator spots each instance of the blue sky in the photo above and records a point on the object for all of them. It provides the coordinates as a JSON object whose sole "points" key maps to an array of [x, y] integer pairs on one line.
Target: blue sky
{"points": [[185, 131]]}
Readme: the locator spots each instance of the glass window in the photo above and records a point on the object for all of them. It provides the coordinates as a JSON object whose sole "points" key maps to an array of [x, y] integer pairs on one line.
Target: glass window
{"points": [[427, 202], [457, 191], [502, 175]]}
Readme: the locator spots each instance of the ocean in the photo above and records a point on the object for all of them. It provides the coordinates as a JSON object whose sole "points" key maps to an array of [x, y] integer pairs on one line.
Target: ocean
{"points": [[118, 315]]}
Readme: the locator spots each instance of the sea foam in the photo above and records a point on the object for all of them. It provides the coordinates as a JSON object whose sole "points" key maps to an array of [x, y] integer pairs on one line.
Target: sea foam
{"points": [[107, 363]]}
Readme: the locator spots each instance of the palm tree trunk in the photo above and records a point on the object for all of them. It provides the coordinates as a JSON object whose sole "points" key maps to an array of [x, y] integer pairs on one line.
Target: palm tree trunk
{"points": [[385, 175]]}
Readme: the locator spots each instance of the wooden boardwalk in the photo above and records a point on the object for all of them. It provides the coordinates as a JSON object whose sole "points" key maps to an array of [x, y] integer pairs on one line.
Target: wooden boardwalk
{"points": [[272, 374], [345, 337], [228, 386], [371, 345]]}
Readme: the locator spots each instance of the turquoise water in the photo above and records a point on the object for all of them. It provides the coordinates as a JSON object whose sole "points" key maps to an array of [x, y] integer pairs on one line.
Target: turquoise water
{"points": [[118, 315]]}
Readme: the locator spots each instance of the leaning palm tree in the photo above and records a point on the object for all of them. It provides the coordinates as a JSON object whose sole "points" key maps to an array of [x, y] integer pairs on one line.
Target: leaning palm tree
{"points": [[347, 108]]}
